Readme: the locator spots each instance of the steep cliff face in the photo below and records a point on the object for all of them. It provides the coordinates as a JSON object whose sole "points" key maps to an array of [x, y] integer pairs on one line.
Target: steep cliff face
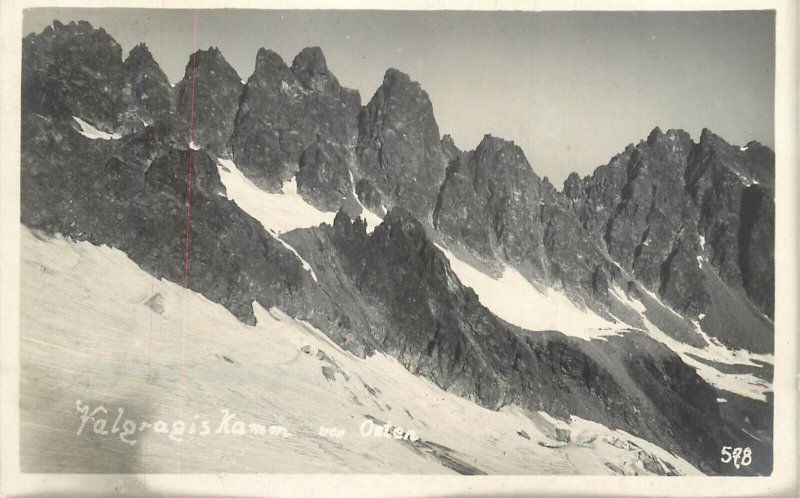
{"points": [[300, 121], [491, 201], [637, 205], [668, 206], [95, 190], [149, 88], [399, 148], [206, 99], [718, 181]]}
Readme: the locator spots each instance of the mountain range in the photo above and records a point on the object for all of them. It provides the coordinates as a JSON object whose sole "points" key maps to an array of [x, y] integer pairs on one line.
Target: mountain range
{"points": [[636, 297]]}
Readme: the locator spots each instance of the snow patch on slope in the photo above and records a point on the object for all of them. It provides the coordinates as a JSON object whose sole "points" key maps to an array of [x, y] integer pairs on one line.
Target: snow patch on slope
{"points": [[194, 358], [277, 213], [93, 133], [515, 300], [372, 219], [743, 384]]}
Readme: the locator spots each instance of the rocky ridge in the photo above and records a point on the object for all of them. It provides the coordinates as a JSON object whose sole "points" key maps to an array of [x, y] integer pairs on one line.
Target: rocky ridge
{"points": [[691, 222]]}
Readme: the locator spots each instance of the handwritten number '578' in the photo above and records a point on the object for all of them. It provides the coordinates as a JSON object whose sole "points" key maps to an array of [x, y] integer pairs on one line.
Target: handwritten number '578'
{"points": [[740, 457]]}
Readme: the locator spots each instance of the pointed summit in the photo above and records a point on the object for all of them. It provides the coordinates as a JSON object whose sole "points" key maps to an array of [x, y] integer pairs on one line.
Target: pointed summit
{"points": [[490, 202], [400, 150], [140, 50], [394, 77], [140, 62], [310, 60], [267, 60], [212, 59], [149, 87], [654, 135], [215, 94], [300, 122], [709, 137], [311, 69]]}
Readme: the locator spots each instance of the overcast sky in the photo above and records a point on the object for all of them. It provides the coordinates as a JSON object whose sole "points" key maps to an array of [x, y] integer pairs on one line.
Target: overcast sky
{"points": [[571, 88]]}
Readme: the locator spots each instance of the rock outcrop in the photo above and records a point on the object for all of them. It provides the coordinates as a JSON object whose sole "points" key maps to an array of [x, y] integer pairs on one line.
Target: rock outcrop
{"points": [[150, 89], [668, 207], [206, 100], [399, 148], [300, 121], [75, 70], [491, 201]]}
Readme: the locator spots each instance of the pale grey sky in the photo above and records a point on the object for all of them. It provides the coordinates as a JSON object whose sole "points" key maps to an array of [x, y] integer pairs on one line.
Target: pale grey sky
{"points": [[571, 88]]}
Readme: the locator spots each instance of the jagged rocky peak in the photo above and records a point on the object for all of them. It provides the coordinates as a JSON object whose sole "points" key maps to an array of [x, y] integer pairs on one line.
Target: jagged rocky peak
{"points": [[77, 28], [394, 79], [449, 146], [499, 152], [74, 70], [490, 202], [674, 140], [670, 209], [349, 228], [708, 137], [399, 218], [753, 163], [298, 121], [215, 96], [142, 67], [310, 66], [150, 89], [268, 65], [573, 186], [140, 54], [400, 151], [212, 56]]}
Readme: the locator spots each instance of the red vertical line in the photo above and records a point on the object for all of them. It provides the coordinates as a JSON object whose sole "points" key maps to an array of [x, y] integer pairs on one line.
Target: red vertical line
{"points": [[188, 221]]}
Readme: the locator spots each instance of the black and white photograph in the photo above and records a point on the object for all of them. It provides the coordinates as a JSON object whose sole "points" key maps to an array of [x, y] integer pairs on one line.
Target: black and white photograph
{"points": [[400, 242]]}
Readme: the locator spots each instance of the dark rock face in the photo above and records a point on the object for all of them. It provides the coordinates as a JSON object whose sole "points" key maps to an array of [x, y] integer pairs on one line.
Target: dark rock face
{"points": [[668, 206], [716, 182], [637, 204], [757, 247], [215, 95], [420, 313], [449, 147], [74, 70], [150, 89], [95, 190], [297, 117], [399, 148], [490, 201], [324, 177], [494, 204], [370, 196]]}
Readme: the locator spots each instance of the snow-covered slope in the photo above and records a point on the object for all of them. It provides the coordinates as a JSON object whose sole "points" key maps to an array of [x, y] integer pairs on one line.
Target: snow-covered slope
{"points": [[96, 328], [93, 133], [515, 300], [512, 298], [279, 213], [702, 358]]}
